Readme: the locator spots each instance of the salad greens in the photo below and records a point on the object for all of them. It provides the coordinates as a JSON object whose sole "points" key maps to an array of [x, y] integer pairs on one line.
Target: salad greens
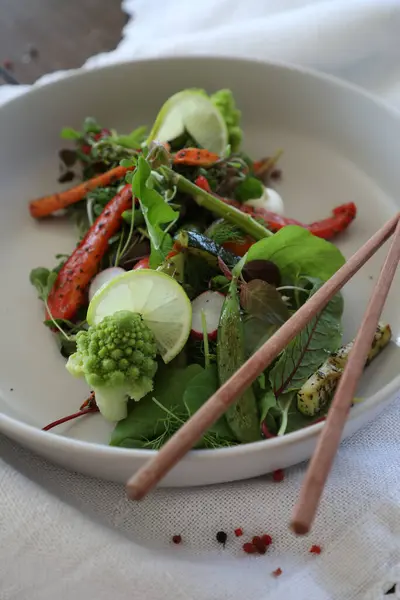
{"points": [[297, 252], [156, 212], [175, 202]]}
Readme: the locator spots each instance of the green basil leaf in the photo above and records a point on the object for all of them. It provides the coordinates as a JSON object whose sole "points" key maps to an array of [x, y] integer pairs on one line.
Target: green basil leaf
{"points": [[297, 252]]}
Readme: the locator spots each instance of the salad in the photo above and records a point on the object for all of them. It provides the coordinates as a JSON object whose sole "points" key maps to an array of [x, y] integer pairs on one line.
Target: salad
{"points": [[185, 264]]}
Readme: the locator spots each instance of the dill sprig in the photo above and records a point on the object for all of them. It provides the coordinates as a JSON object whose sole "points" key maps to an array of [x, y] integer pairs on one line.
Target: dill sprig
{"points": [[221, 231]]}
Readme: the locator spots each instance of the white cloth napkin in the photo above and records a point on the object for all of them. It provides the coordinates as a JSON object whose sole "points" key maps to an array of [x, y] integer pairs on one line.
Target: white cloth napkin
{"points": [[68, 536]]}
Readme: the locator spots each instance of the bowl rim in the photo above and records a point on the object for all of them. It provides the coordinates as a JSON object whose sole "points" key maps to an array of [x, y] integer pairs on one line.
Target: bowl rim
{"points": [[14, 426]]}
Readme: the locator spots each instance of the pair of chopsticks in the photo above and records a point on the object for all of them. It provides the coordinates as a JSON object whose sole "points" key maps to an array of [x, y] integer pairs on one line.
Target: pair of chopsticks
{"points": [[185, 438]]}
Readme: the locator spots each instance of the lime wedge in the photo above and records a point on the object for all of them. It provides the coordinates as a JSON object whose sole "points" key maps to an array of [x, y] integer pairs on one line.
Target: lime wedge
{"points": [[191, 111], [160, 300]]}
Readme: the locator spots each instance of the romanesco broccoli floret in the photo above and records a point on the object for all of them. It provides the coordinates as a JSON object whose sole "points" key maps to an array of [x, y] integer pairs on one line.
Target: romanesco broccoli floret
{"points": [[117, 359], [224, 101]]}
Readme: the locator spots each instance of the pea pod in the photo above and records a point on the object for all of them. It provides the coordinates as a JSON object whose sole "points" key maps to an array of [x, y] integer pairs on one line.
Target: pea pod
{"points": [[242, 416]]}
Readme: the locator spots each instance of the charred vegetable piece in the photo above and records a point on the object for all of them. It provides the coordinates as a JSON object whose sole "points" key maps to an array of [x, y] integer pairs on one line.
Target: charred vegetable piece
{"points": [[318, 389], [45, 206], [69, 291], [196, 243], [242, 417]]}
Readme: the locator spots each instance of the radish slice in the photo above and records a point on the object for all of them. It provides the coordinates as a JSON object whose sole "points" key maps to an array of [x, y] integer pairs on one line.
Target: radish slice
{"points": [[102, 278], [211, 303], [270, 200]]}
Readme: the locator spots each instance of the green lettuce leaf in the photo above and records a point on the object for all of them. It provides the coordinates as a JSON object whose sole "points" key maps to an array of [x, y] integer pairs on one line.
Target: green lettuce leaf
{"points": [[157, 214], [298, 252], [310, 348]]}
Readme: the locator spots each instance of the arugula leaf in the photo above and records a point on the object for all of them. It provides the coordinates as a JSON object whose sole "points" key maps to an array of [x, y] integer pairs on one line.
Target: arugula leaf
{"points": [[43, 280], [133, 140], [297, 252], [310, 347], [147, 421], [249, 189], [156, 213], [198, 391]]}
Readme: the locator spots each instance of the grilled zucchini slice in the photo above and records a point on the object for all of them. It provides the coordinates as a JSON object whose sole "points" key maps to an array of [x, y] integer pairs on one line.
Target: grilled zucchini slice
{"points": [[317, 391]]}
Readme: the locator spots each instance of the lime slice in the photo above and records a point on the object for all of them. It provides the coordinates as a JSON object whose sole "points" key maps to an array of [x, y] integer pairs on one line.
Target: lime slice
{"points": [[160, 300], [191, 111]]}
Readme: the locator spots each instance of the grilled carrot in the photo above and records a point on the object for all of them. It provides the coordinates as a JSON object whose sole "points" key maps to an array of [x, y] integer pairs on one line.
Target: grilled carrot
{"points": [[45, 206], [69, 291], [196, 157]]}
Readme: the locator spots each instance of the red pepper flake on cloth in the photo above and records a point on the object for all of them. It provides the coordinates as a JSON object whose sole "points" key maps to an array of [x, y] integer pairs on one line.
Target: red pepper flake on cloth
{"points": [[266, 539], [278, 475], [315, 549], [259, 544], [238, 532], [277, 572], [249, 548], [177, 539]]}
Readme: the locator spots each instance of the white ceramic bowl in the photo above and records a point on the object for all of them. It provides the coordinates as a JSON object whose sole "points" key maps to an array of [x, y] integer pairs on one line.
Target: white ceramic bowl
{"points": [[340, 145]]}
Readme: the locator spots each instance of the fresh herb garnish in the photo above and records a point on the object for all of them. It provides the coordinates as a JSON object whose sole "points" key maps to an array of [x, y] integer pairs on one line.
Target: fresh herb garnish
{"points": [[158, 215], [43, 280]]}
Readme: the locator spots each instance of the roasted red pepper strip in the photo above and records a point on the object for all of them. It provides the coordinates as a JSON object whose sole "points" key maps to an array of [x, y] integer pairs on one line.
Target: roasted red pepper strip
{"points": [[342, 217], [327, 228], [195, 157], [69, 291], [239, 248], [202, 182]]}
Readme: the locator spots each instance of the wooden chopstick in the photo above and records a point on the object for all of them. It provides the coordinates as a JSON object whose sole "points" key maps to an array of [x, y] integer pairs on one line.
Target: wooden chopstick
{"points": [[329, 440], [185, 438]]}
